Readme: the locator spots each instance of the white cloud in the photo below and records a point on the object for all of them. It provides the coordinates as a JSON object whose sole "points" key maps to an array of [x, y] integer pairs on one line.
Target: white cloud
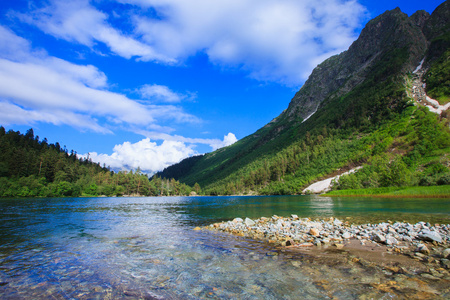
{"points": [[273, 40], [160, 93], [147, 155], [215, 144], [78, 21], [228, 140], [49, 89], [151, 157], [12, 46], [13, 114]]}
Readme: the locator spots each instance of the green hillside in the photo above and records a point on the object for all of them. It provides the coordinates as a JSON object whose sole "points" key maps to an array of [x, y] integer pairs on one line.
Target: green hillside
{"points": [[356, 109], [30, 167]]}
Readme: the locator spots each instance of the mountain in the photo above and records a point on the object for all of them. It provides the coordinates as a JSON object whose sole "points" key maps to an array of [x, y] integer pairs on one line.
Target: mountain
{"points": [[359, 108]]}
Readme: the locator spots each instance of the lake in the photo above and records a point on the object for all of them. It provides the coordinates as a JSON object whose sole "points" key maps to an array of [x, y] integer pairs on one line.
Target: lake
{"points": [[129, 248]]}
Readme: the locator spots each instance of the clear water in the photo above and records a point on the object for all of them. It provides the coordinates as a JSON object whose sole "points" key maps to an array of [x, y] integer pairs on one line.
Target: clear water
{"points": [[131, 248]]}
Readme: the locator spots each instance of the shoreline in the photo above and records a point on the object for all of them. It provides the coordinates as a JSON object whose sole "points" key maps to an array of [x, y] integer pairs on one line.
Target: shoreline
{"points": [[294, 230], [388, 196], [422, 246]]}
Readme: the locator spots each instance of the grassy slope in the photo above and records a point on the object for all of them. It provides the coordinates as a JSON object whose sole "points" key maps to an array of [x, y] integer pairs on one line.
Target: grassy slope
{"points": [[442, 191], [345, 113]]}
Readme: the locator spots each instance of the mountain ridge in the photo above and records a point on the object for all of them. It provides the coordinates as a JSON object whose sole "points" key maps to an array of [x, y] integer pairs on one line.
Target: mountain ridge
{"points": [[352, 92]]}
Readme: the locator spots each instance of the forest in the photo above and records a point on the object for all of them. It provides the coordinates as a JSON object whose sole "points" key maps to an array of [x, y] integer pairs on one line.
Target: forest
{"points": [[411, 150], [30, 167]]}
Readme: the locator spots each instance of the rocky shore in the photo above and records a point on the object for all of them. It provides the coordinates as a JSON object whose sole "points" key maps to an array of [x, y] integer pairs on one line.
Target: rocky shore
{"points": [[424, 242]]}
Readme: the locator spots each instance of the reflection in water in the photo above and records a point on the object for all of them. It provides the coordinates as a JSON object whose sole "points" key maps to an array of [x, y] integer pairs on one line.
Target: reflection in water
{"points": [[323, 204], [145, 247]]}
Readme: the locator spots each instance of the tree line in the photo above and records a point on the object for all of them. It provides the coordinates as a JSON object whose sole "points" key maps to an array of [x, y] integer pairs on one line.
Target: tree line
{"points": [[30, 167]]}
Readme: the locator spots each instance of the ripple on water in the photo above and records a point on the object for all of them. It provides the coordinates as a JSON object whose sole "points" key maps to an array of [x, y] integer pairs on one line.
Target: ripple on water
{"points": [[145, 248]]}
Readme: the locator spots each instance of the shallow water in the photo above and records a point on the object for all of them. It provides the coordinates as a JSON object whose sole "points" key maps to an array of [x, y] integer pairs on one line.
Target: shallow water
{"points": [[128, 248]]}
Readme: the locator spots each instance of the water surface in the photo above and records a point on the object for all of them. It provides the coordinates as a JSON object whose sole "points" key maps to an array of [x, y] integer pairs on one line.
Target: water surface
{"points": [[128, 248]]}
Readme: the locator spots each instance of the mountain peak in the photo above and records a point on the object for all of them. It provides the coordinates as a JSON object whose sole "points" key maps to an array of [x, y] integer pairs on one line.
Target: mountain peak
{"points": [[339, 74]]}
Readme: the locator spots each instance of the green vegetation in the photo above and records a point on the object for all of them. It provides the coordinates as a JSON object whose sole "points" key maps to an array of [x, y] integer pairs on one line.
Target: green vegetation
{"points": [[410, 150], [438, 79], [442, 191], [364, 118], [33, 168], [375, 125]]}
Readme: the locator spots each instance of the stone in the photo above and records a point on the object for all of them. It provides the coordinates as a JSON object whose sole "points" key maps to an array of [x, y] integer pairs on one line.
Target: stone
{"points": [[339, 246], [294, 217], [296, 263], [237, 220], [445, 263], [249, 222], [392, 230], [390, 240], [379, 238], [446, 253], [429, 276], [430, 236], [197, 228], [420, 255], [421, 248], [346, 235], [314, 231], [337, 222]]}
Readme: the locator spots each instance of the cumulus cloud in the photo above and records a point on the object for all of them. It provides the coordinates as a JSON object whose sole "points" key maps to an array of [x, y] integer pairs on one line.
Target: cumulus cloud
{"points": [[272, 40], [228, 140], [151, 157], [215, 144], [145, 154], [49, 89]]}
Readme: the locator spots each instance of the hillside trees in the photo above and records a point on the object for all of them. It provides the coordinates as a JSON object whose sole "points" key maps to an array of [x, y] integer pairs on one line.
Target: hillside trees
{"points": [[405, 151], [33, 168]]}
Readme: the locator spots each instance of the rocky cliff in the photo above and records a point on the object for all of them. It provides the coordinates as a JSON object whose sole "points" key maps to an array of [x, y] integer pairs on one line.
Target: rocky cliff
{"points": [[388, 32]]}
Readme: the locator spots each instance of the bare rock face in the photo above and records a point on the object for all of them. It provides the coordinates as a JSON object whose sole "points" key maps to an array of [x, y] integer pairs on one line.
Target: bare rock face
{"points": [[418, 34], [341, 73]]}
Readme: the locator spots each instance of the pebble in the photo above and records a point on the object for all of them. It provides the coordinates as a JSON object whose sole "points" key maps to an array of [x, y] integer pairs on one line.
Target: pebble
{"points": [[304, 232], [446, 253], [421, 248], [314, 231], [430, 236], [339, 246], [346, 235], [249, 222]]}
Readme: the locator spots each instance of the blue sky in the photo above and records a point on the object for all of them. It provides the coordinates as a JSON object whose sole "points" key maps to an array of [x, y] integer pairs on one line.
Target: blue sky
{"points": [[149, 82]]}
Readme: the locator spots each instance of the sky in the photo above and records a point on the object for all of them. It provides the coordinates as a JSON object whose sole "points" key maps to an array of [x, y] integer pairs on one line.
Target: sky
{"points": [[147, 83]]}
